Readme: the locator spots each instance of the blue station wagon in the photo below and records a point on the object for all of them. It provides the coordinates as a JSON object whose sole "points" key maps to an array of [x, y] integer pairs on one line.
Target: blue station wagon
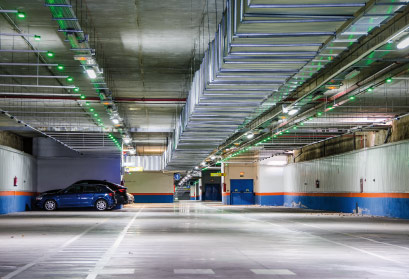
{"points": [[78, 195]]}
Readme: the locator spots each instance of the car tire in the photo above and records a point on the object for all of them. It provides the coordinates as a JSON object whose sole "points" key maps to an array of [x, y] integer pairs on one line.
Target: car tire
{"points": [[101, 205], [50, 205]]}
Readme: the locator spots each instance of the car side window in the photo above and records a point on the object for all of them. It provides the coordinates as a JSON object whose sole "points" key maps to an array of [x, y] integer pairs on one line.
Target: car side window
{"points": [[90, 189], [74, 189], [102, 189], [71, 190]]}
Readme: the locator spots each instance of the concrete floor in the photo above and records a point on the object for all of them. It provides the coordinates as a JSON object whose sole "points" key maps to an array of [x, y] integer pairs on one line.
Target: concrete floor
{"points": [[201, 240]]}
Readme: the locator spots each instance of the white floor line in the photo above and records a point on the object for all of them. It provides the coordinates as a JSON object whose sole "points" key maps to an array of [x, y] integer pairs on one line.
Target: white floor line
{"points": [[193, 271], [272, 272], [355, 236], [107, 256], [331, 241], [27, 266]]}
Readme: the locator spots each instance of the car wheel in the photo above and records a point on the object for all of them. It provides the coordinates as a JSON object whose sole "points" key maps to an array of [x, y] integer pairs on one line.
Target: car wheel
{"points": [[101, 205], [50, 205]]}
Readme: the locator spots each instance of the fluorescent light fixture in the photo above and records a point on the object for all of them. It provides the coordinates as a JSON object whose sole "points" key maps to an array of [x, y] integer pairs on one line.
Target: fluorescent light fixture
{"points": [[213, 157], [91, 73], [293, 111], [250, 136], [127, 140], [404, 43], [115, 121]]}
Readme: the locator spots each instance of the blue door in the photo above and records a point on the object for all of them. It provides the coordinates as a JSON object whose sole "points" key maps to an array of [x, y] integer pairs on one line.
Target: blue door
{"points": [[241, 191], [70, 197]]}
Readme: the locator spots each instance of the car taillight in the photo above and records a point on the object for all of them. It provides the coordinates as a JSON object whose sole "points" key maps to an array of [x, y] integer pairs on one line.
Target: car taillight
{"points": [[111, 194], [122, 190]]}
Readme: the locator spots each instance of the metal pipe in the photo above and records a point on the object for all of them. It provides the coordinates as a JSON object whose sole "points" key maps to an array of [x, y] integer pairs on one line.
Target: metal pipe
{"points": [[32, 76], [38, 86], [278, 35], [9, 11], [17, 34], [23, 50], [28, 64], [300, 6]]}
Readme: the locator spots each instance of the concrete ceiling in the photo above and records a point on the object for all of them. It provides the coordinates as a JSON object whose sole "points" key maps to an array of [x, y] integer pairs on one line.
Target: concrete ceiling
{"points": [[270, 54]]}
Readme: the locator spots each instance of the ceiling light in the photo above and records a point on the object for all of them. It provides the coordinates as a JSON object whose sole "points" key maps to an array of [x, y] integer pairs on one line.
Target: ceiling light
{"points": [[115, 120], [403, 44], [37, 38], [213, 157], [250, 136], [50, 54], [60, 67], [76, 89], [70, 79], [21, 14], [352, 98], [127, 140], [370, 89], [91, 73], [389, 80], [82, 97], [293, 111]]}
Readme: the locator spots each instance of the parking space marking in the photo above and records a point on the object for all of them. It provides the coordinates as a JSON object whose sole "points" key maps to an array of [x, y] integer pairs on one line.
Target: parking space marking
{"points": [[193, 271], [99, 267], [117, 271], [43, 258], [272, 272]]}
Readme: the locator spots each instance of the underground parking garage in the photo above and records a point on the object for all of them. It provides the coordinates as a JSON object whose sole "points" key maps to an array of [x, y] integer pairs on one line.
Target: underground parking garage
{"points": [[214, 139]]}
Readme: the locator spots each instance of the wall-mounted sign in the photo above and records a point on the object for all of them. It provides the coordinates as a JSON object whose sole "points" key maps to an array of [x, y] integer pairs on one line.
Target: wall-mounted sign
{"points": [[133, 169], [217, 174], [176, 176]]}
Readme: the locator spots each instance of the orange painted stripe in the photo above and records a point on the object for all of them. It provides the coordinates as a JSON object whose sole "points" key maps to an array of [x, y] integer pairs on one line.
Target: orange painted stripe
{"points": [[17, 193], [226, 194], [152, 194], [345, 195], [270, 194]]}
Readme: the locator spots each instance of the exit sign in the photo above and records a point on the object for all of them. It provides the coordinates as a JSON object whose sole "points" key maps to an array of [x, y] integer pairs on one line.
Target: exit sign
{"points": [[217, 174]]}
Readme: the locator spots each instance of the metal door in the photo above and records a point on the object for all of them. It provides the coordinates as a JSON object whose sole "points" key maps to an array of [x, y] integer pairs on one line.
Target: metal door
{"points": [[213, 192], [241, 191]]}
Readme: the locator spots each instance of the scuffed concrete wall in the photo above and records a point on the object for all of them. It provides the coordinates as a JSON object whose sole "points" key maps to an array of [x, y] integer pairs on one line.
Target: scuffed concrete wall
{"points": [[11, 140], [356, 141]]}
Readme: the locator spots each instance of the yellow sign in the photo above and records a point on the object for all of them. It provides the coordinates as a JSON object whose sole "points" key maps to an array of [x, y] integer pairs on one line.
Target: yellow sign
{"points": [[217, 174], [133, 169]]}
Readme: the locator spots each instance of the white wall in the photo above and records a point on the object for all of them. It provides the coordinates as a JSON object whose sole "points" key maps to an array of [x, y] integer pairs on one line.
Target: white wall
{"points": [[270, 174], [149, 182], [16, 163], [384, 169]]}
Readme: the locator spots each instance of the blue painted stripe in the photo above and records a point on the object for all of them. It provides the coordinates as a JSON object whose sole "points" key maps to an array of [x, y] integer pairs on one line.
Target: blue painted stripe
{"points": [[153, 198], [9, 204], [226, 199], [274, 200], [389, 207], [376, 206]]}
